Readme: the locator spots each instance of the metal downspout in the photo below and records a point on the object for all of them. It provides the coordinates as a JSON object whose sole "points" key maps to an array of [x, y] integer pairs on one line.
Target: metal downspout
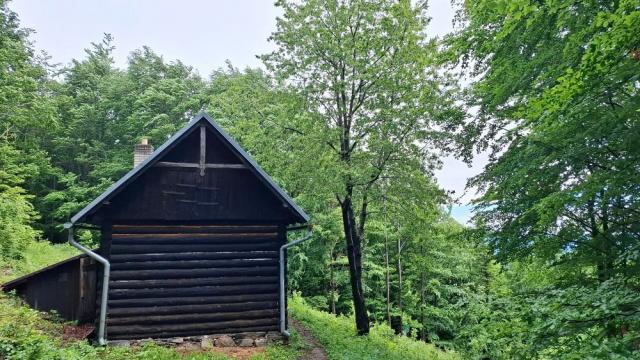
{"points": [[283, 290], [105, 282]]}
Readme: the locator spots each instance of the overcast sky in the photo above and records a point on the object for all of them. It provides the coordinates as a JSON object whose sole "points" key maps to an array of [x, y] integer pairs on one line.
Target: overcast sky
{"points": [[202, 34]]}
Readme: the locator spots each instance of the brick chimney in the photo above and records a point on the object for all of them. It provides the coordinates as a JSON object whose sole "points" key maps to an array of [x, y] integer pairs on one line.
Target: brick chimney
{"points": [[141, 151]]}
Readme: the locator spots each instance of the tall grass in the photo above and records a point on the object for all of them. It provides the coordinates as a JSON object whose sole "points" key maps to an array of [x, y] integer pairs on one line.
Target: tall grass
{"points": [[337, 335]]}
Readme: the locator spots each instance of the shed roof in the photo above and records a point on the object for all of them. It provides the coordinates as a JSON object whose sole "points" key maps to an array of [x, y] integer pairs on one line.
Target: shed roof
{"points": [[10, 285], [251, 164]]}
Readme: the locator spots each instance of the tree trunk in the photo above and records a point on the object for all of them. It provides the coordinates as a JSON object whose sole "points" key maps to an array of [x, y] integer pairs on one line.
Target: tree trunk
{"points": [[354, 255], [423, 332], [399, 275], [332, 284], [388, 280]]}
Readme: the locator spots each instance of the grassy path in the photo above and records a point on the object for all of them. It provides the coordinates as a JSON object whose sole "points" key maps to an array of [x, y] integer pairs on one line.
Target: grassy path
{"points": [[314, 350]]}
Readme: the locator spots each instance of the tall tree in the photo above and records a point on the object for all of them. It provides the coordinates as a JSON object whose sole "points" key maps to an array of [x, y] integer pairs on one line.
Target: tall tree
{"points": [[366, 69], [557, 97], [26, 115]]}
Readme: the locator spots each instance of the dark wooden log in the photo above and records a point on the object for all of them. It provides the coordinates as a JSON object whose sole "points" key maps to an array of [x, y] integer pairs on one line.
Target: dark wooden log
{"points": [[192, 309], [193, 241], [194, 165], [190, 273], [171, 334], [193, 291], [203, 327], [196, 256], [144, 249], [179, 301], [192, 264], [208, 236], [192, 318], [181, 229], [169, 283]]}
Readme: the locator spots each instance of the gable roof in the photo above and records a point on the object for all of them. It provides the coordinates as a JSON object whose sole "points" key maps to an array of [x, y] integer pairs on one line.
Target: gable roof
{"points": [[128, 178]]}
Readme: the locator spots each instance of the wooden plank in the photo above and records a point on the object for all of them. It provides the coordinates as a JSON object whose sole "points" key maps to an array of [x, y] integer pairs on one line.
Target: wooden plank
{"points": [[226, 166], [258, 235], [170, 334], [193, 291], [203, 148], [196, 166], [180, 301], [159, 229], [175, 248], [195, 256], [169, 283], [192, 318], [192, 309], [191, 273], [192, 241], [186, 241], [192, 264], [204, 327]]}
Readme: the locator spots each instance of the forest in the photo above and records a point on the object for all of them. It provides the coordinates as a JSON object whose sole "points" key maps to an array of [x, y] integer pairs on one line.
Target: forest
{"points": [[352, 114]]}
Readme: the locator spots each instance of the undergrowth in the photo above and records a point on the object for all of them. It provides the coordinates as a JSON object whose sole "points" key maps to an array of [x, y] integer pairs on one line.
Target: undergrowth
{"points": [[36, 255], [338, 336]]}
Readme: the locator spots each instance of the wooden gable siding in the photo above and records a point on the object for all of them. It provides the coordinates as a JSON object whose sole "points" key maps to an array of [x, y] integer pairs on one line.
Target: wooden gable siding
{"points": [[176, 193], [181, 280]]}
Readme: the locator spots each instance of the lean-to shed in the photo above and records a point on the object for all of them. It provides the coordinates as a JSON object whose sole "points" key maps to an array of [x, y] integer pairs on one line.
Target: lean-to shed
{"points": [[193, 238]]}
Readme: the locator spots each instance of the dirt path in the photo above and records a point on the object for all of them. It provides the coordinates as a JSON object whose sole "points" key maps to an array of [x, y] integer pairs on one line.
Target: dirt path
{"points": [[315, 350]]}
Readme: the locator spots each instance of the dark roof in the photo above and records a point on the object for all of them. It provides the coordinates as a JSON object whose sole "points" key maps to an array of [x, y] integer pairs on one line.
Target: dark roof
{"points": [[299, 214], [10, 285]]}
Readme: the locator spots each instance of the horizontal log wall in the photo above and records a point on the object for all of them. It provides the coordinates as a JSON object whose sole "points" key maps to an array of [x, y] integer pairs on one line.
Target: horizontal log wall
{"points": [[181, 280]]}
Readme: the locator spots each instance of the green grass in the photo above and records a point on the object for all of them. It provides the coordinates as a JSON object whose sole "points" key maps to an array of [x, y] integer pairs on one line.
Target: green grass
{"points": [[337, 335], [36, 255]]}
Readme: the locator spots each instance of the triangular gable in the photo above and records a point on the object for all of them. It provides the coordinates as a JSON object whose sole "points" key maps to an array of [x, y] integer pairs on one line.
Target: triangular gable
{"points": [[174, 141]]}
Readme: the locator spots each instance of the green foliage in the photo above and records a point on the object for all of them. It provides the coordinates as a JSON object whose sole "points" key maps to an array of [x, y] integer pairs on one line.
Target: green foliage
{"points": [[16, 211], [375, 103], [34, 256], [337, 335], [556, 96]]}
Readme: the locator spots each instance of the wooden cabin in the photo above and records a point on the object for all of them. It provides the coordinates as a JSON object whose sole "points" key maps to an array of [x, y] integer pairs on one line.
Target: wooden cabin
{"points": [[192, 234]]}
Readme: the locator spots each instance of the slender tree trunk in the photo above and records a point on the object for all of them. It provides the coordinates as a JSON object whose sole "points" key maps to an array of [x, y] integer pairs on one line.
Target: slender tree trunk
{"points": [[386, 263], [423, 332], [399, 274], [354, 255], [388, 280], [332, 284]]}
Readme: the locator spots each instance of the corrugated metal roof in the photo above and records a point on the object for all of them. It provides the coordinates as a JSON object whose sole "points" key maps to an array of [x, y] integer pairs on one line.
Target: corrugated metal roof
{"points": [[300, 215]]}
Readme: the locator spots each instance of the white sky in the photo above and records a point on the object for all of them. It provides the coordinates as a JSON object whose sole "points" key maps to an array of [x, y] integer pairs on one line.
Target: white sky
{"points": [[201, 33]]}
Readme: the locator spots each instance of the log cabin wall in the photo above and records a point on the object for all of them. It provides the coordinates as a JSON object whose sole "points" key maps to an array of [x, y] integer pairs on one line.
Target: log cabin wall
{"points": [[183, 280]]}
